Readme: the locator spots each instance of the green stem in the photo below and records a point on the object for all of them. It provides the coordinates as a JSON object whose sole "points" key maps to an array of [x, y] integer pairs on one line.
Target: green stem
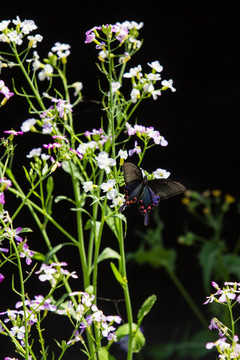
{"points": [[35, 92], [126, 290], [187, 297], [21, 280]]}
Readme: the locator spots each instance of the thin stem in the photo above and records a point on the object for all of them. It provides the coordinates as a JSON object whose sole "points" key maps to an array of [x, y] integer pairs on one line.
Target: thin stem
{"points": [[20, 63], [187, 297], [126, 289]]}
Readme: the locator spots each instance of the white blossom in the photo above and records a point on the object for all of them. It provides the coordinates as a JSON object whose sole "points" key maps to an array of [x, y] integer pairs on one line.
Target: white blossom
{"points": [[161, 173]]}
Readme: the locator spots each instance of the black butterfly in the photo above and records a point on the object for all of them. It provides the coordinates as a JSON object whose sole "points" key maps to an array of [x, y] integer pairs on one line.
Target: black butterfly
{"points": [[147, 193]]}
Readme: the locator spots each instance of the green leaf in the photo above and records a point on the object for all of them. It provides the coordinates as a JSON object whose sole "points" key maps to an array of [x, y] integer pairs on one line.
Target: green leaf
{"points": [[117, 275], [54, 250], [103, 354], [146, 307], [26, 229], [90, 224], [63, 197], [156, 257], [39, 256], [112, 220], [231, 264], [50, 185], [70, 167], [138, 337], [208, 257], [108, 253], [123, 330], [138, 341]]}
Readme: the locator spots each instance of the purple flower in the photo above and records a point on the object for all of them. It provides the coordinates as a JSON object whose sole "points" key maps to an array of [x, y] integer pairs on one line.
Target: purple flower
{"points": [[60, 137], [91, 34], [5, 90], [14, 233], [6, 183], [19, 332], [137, 149], [13, 132], [63, 106], [77, 153], [1, 277], [2, 198], [27, 253]]}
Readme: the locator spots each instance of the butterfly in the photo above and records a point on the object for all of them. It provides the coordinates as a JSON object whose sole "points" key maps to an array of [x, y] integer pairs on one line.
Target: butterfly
{"points": [[147, 193]]}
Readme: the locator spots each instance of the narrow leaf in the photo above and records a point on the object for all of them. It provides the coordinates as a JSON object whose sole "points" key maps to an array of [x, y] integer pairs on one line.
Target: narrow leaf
{"points": [[54, 250], [108, 253], [146, 307], [117, 275]]}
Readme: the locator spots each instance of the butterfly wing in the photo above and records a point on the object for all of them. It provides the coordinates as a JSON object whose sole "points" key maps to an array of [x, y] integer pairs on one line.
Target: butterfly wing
{"points": [[154, 191], [165, 188], [148, 193], [134, 183], [132, 173]]}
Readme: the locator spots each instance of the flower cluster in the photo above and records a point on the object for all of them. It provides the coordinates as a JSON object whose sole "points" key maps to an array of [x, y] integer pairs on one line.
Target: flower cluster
{"points": [[109, 189], [228, 293], [85, 304], [54, 273], [30, 315], [227, 345], [17, 33], [144, 85], [148, 133], [119, 31]]}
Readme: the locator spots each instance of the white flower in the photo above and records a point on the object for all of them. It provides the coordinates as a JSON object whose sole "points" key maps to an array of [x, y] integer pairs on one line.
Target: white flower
{"points": [[134, 72], [136, 43], [153, 77], [4, 24], [156, 66], [103, 54], [168, 84], [28, 26], [4, 38], [161, 173], [46, 72], [82, 148], [153, 92], [27, 124], [62, 50], [135, 95], [117, 201], [104, 162], [34, 152], [45, 157], [132, 25], [33, 40], [36, 64], [78, 86], [15, 37], [115, 86], [123, 154], [108, 187], [88, 186]]}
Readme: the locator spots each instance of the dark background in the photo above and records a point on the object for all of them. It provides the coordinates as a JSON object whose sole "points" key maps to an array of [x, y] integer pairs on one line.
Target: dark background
{"points": [[197, 44]]}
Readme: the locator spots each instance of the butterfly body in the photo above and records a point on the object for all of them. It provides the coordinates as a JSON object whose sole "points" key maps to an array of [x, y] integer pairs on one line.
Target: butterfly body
{"points": [[147, 193]]}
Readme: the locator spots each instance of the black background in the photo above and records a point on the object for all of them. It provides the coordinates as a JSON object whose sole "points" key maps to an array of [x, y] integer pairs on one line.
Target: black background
{"points": [[197, 44]]}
